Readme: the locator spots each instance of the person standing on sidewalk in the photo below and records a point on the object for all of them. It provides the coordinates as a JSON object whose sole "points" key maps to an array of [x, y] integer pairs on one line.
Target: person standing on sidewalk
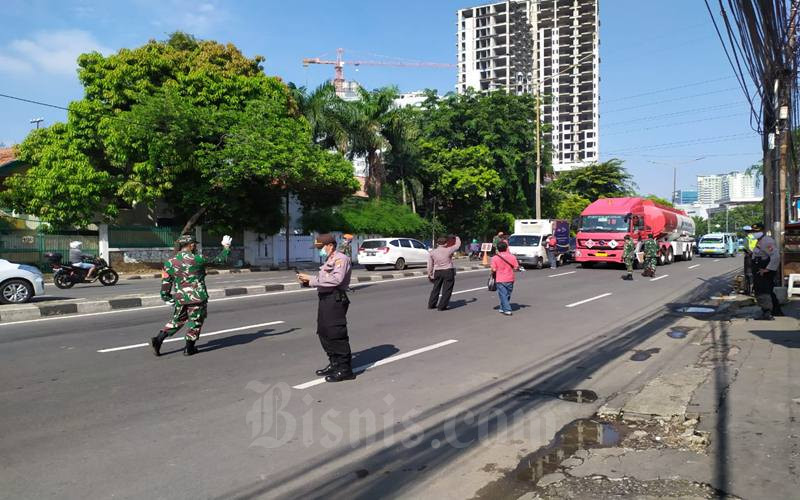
{"points": [[187, 273], [628, 254], [504, 264], [442, 272], [332, 283], [766, 260]]}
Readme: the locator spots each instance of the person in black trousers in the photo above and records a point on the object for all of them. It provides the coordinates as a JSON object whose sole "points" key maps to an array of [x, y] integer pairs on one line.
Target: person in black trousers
{"points": [[442, 272]]}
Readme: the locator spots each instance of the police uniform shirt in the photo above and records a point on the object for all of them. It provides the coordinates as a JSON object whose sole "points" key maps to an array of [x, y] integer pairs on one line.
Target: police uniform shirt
{"points": [[767, 248], [333, 274]]}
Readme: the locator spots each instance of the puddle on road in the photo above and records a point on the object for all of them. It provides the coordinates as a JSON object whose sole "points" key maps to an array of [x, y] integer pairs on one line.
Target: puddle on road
{"points": [[580, 434], [697, 310], [645, 354], [578, 396], [677, 334]]}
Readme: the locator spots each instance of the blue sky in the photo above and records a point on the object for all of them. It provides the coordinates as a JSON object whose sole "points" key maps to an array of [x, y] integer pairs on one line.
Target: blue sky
{"points": [[668, 97]]}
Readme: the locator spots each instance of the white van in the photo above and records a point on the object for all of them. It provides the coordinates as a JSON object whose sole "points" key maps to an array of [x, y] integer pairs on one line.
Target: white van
{"points": [[529, 238]]}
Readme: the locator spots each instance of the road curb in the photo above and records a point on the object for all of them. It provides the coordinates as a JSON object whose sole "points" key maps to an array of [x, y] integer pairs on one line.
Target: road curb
{"points": [[209, 272], [82, 306]]}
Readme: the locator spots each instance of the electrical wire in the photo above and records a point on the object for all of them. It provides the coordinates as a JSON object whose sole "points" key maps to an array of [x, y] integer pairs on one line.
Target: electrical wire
{"points": [[33, 102]]}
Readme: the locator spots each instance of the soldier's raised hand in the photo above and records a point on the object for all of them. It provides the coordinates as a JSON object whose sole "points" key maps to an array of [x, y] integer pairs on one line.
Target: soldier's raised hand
{"points": [[226, 241]]}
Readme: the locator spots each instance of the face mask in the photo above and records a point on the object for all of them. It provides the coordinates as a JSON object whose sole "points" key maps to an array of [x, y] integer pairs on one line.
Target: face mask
{"points": [[323, 253], [758, 235]]}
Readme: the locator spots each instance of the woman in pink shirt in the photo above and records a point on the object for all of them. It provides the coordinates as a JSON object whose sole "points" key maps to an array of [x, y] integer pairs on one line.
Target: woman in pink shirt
{"points": [[503, 266]]}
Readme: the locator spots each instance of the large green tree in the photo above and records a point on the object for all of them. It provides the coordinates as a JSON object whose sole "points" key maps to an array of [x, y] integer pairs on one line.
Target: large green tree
{"points": [[602, 180], [194, 123]]}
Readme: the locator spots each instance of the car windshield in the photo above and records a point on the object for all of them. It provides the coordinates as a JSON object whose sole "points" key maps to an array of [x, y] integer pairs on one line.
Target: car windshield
{"points": [[519, 240], [604, 223], [711, 240], [374, 244]]}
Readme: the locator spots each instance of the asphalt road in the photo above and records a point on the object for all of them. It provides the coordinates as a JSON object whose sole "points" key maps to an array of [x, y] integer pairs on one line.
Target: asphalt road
{"points": [[87, 412]]}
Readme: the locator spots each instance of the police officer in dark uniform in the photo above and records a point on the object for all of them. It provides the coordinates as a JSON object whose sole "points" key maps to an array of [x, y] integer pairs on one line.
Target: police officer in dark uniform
{"points": [[766, 261], [332, 283]]}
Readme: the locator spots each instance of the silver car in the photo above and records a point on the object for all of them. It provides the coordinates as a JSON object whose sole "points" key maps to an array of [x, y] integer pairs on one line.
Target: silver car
{"points": [[19, 283]]}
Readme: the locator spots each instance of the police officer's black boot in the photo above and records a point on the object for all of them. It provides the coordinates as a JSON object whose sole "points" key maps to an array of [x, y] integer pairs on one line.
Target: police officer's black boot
{"points": [[155, 343], [342, 371], [326, 371], [190, 349]]}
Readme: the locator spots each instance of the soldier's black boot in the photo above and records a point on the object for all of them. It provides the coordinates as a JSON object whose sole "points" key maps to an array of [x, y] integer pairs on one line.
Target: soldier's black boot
{"points": [[155, 343], [326, 371], [190, 349], [341, 373]]}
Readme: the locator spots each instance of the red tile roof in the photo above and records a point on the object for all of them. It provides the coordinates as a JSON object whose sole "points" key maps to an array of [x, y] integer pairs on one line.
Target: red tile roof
{"points": [[7, 155]]}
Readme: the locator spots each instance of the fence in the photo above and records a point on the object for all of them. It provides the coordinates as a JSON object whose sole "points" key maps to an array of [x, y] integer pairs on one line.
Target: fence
{"points": [[28, 246], [142, 237]]}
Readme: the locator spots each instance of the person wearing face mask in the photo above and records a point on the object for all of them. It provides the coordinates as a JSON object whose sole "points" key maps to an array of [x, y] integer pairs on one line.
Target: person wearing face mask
{"points": [[332, 283], [766, 259], [187, 273]]}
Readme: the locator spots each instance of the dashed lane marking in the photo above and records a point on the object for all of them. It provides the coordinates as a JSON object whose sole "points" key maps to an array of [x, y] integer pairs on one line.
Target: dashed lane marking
{"points": [[588, 300], [694, 266], [202, 336], [561, 274], [384, 361], [660, 277]]}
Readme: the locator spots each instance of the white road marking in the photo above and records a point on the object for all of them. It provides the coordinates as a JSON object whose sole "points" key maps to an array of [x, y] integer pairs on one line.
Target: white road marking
{"points": [[470, 290], [692, 267], [716, 260], [385, 361], [561, 274], [202, 336], [589, 300], [236, 297], [660, 277]]}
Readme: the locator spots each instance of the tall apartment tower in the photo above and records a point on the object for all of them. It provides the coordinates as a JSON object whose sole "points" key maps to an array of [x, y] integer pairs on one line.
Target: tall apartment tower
{"points": [[549, 47]]}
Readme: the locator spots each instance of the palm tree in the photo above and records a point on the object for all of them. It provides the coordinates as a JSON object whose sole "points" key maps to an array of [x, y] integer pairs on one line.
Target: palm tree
{"points": [[368, 127], [328, 115]]}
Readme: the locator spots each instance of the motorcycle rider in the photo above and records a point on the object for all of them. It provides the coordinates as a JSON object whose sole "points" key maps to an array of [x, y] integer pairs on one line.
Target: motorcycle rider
{"points": [[76, 257]]}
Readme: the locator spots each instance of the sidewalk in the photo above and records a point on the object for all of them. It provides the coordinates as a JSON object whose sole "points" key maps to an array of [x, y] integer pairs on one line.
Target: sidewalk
{"points": [[722, 425]]}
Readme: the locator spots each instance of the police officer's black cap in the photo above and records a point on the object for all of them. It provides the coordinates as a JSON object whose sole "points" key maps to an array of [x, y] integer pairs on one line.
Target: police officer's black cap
{"points": [[324, 239], [757, 227]]}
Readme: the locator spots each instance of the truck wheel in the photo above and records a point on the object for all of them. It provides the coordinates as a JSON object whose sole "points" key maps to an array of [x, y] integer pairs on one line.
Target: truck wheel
{"points": [[539, 263], [690, 255], [662, 259], [670, 257]]}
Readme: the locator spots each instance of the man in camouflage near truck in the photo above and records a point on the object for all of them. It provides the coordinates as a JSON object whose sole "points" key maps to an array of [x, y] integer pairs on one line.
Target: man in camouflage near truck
{"points": [[187, 273], [650, 256], [628, 254]]}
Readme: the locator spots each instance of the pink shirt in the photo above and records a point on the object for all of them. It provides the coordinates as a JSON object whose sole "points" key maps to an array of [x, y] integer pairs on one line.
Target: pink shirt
{"points": [[503, 272]]}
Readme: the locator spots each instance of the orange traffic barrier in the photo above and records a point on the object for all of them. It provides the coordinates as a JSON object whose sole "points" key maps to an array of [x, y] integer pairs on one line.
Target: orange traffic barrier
{"points": [[485, 261]]}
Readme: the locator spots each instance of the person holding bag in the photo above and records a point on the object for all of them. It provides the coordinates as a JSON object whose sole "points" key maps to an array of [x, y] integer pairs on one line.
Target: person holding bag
{"points": [[503, 266]]}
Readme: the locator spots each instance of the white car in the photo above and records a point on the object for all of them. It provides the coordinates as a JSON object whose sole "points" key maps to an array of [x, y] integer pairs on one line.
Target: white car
{"points": [[19, 283], [397, 252]]}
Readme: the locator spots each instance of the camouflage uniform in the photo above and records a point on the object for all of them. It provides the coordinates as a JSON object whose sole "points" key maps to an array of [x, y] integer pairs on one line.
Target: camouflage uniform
{"points": [[650, 257], [346, 248], [187, 272], [629, 254]]}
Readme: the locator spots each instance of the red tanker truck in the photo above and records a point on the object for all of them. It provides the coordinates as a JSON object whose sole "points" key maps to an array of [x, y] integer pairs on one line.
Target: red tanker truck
{"points": [[604, 224]]}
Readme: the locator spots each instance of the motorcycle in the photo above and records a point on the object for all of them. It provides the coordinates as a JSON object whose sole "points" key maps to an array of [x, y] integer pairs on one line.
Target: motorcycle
{"points": [[67, 276]]}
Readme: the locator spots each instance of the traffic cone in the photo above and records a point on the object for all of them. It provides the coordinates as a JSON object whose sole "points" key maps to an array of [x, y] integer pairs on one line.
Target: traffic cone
{"points": [[485, 261]]}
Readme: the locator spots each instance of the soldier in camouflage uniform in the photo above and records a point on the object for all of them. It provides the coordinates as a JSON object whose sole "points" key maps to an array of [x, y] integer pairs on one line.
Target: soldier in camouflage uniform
{"points": [[345, 246], [628, 254], [187, 272], [650, 256]]}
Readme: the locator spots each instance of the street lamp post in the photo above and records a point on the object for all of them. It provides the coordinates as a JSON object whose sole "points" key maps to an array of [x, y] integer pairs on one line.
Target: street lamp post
{"points": [[37, 121]]}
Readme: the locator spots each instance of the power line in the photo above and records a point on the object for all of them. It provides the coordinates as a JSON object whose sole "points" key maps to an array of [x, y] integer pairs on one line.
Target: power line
{"points": [[33, 102], [691, 142], [670, 115], [659, 91], [667, 125], [672, 100]]}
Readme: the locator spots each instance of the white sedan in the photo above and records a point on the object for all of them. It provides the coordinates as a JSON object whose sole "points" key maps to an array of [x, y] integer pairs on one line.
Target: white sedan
{"points": [[397, 252], [19, 283]]}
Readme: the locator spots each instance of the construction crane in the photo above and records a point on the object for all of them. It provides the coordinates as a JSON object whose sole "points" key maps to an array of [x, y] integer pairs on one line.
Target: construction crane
{"points": [[339, 63]]}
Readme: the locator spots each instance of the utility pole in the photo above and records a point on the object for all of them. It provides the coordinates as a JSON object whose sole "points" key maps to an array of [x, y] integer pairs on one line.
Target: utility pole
{"points": [[538, 158], [674, 183]]}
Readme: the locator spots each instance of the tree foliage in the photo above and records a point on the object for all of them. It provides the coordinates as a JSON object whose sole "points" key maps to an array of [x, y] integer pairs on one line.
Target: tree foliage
{"points": [[191, 122], [659, 200], [368, 217], [602, 180]]}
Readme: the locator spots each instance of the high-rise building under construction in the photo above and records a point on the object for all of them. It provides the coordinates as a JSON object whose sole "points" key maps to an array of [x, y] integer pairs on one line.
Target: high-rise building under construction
{"points": [[549, 47]]}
